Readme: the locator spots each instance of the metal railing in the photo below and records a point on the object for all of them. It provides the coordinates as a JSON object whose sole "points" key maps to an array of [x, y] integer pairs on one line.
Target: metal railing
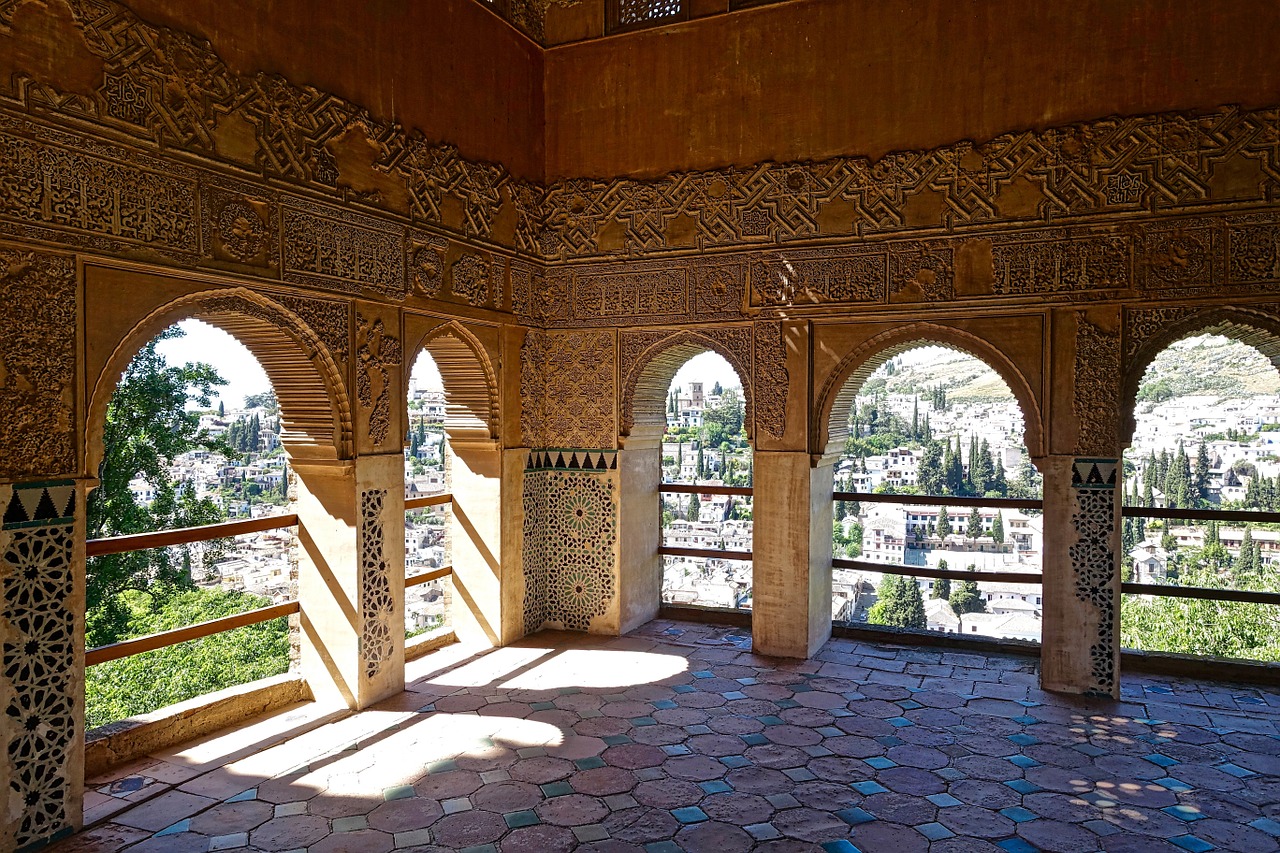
{"points": [[186, 536], [694, 489], [1203, 593]]}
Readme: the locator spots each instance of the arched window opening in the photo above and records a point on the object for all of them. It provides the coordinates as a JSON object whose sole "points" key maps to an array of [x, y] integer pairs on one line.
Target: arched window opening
{"points": [[426, 476], [192, 437], [705, 444], [935, 478], [1207, 443]]}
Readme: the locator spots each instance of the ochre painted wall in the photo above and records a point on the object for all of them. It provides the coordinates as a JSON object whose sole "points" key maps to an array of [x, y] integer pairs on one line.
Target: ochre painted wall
{"points": [[449, 68], [816, 78]]}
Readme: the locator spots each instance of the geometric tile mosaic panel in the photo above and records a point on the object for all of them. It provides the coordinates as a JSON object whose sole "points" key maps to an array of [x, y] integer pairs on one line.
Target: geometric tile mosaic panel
{"points": [[570, 537], [37, 656]]}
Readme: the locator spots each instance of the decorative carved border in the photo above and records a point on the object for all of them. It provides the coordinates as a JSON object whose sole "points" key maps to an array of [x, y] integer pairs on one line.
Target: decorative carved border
{"points": [[638, 350]]}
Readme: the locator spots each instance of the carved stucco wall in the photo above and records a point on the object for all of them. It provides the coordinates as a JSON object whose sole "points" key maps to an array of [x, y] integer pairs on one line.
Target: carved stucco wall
{"points": [[140, 143]]}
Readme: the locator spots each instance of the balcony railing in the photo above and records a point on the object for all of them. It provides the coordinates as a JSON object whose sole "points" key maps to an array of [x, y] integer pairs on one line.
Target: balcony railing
{"points": [[705, 553], [1200, 592]]}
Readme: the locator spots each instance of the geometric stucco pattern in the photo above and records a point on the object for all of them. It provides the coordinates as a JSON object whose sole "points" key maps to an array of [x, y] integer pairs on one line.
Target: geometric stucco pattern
{"points": [[377, 605], [1093, 560], [39, 625], [771, 379], [37, 365], [568, 385], [378, 353], [1024, 213], [570, 547], [1097, 388]]}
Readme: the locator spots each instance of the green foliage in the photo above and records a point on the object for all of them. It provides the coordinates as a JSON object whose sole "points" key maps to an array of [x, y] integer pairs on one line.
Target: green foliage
{"points": [[1228, 629], [965, 598], [944, 522], [975, 524], [145, 682], [997, 528], [147, 426], [898, 603]]}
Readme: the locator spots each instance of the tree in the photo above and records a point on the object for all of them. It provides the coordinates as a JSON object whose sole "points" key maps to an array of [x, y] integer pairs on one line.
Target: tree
{"points": [[966, 598], [975, 524], [898, 603], [944, 522], [695, 508], [929, 471], [997, 528], [1247, 562], [144, 682], [942, 586], [147, 426], [1200, 477]]}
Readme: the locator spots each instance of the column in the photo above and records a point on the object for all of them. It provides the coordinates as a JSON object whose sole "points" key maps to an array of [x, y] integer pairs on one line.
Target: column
{"points": [[639, 528], [351, 577]]}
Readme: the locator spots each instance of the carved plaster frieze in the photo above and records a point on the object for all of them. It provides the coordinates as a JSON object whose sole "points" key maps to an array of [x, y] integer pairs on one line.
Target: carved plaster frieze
{"points": [[771, 379], [37, 364], [1097, 388]]}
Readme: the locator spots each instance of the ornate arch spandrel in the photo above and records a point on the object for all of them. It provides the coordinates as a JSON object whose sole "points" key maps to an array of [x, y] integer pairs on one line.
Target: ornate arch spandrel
{"points": [[470, 380], [298, 363], [651, 358], [1150, 331], [835, 399]]}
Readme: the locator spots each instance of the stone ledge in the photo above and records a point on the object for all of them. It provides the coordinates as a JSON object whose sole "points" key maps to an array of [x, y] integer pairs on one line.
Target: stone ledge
{"points": [[424, 644], [1200, 667], [114, 744]]}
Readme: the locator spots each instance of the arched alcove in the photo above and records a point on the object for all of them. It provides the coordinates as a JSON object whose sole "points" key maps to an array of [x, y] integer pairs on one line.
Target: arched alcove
{"points": [[470, 382], [653, 361], [314, 407], [836, 396]]}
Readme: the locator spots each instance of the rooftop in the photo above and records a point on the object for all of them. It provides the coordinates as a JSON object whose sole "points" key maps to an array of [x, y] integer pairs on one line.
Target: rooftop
{"points": [[677, 737]]}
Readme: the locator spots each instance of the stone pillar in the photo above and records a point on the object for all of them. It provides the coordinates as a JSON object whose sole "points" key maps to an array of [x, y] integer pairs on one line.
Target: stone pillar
{"points": [[351, 577], [791, 550], [487, 584], [639, 529], [42, 604], [1081, 617]]}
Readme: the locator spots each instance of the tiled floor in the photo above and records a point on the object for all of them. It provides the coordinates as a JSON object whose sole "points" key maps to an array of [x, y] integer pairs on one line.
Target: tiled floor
{"points": [[677, 738]]}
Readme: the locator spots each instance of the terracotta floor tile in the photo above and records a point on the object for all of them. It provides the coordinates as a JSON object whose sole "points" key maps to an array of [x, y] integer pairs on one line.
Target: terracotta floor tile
{"points": [[606, 744]]}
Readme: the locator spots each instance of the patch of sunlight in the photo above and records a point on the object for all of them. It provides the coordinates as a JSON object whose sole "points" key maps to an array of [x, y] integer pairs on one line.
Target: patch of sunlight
{"points": [[492, 667], [596, 668]]}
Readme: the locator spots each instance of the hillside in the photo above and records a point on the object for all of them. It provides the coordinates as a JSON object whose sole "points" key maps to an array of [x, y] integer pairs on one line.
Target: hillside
{"points": [[1210, 365]]}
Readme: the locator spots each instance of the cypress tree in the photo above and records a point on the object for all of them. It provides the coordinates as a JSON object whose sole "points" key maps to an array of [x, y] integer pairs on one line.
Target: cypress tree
{"points": [[975, 524], [942, 586], [1247, 562], [944, 522], [997, 528]]}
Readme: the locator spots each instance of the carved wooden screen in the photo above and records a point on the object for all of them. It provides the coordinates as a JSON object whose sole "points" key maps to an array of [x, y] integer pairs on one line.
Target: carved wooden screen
{"points": [[634, 14]]}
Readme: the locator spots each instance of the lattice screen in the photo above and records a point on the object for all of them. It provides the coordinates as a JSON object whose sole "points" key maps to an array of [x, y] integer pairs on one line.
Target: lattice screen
{"points": [[632, 13]]}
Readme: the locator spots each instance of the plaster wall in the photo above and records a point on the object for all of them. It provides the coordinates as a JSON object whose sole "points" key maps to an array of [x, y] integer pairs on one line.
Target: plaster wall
{"points": [[818, 78], [449, 68]]}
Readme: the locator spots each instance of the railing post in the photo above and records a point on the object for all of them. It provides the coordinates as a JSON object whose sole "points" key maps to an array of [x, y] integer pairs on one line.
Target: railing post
{"points": [[351, 577], [639, 528], [791, 567]]}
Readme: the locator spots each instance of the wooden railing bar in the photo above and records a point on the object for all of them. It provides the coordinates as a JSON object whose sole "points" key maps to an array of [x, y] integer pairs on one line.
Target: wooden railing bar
{"points": [[1200, 592], [151, 642], [427, 577], [432, 500], [185, 535], [693, 489], [1246, 515], [668, 551], [926, 572], [940, 500]]}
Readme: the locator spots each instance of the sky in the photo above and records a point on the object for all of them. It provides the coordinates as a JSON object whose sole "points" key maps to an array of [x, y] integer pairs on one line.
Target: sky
{"points": [[228, 356], [245, 376]]}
